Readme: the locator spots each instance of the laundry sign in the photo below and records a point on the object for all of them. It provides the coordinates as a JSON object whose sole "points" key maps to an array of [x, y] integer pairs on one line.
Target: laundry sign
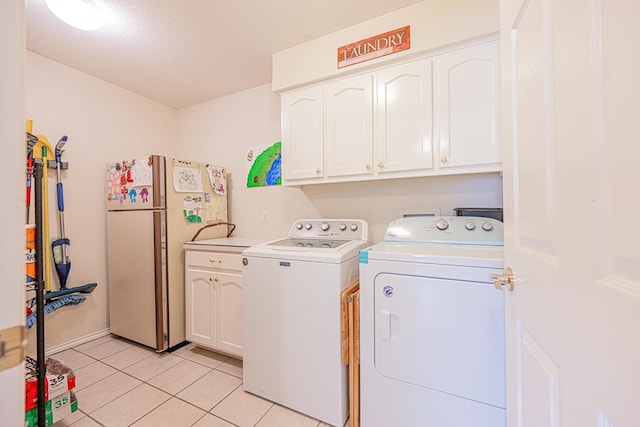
{"points": [[374, 47]]}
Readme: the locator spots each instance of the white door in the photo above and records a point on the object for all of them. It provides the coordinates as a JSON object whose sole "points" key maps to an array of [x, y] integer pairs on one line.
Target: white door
{"points": [[571, 86], [12, 190]]}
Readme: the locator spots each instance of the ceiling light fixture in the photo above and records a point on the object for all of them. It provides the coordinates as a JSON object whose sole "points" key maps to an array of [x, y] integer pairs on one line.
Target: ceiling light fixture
{"points": [[81, 14]]}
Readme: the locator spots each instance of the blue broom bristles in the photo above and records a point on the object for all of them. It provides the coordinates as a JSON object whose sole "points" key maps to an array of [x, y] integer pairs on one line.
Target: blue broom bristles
{"points": [[54, 305]]}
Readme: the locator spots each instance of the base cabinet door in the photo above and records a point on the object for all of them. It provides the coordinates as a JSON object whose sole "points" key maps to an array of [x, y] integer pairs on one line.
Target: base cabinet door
{"points": [[200, 295], [229, 319]]}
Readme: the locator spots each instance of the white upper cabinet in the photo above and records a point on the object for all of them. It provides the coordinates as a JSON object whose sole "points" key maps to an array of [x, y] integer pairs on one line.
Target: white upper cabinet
{"points": [[349, 126], [430, 116], [468, 88], [404, 118], [302, 134]]}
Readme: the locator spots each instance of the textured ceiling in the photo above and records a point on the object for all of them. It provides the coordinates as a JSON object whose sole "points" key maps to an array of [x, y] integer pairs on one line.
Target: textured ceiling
{"points": [[183, 52]]}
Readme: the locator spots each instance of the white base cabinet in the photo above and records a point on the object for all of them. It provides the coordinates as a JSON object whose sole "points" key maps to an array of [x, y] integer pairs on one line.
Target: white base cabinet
{"points": [[213, 293]]}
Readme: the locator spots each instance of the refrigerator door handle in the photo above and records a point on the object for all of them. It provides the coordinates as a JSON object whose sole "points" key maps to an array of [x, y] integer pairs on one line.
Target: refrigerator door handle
{"points": [[159, 187], [161, 285]]}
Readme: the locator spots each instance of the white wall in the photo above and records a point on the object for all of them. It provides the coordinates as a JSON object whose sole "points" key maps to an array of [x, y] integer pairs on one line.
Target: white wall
{"points": [[221, 130], [103, 123], [435, 24]]}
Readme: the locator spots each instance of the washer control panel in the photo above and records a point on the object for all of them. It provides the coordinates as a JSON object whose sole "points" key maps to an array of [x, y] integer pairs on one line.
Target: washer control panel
{"points": [[461, 230], [336, 229]]}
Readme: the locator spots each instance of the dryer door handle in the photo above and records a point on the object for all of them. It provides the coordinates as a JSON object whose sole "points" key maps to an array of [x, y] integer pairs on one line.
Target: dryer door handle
{"points": [[387, 321], [385, 325]]}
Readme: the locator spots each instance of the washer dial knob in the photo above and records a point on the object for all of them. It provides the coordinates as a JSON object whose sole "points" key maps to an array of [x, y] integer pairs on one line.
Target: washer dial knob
{"points": [[308, 226], [442, 224], [487, 226], [325, 226], [354, 227], [470, 225], [299, 226], [343, 227]]}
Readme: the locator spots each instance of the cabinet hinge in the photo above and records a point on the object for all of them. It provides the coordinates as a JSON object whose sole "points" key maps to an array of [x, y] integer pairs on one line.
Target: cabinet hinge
{"points": [[13, 346]]}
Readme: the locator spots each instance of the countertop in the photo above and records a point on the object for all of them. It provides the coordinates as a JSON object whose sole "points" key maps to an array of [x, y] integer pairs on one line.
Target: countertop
{"points": [[229, 243]]}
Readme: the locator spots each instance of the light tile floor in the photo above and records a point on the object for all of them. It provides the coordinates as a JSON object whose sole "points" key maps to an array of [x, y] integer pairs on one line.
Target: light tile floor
{"points": [[119, 383]]}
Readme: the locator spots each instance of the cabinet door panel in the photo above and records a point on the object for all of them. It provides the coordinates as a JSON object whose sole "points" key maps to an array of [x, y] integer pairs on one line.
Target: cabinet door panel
{"points": [[469, 107], [404, 120], [302, 134], [230, 313], [349, 126], [201, 307]]}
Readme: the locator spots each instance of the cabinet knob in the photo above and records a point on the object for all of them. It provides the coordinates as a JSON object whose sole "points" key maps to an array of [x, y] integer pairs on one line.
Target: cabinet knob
{"points": [[368, 166], [318, 171], [444, 159], [380, 165]]}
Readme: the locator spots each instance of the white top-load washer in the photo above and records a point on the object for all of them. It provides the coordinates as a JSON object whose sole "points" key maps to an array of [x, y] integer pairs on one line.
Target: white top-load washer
{"points": [[291, 302], [432, 325]]}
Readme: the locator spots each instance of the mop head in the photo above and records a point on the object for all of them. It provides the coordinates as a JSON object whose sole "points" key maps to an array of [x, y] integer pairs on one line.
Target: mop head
{"points": [[54, 305]]}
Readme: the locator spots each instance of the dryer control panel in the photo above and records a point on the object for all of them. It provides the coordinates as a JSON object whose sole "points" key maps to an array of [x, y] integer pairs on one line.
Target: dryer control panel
{"points": [[460, 230]]}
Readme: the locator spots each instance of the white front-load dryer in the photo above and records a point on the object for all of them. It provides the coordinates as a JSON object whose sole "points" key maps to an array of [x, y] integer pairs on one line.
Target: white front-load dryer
{"points": [[432, 325]]}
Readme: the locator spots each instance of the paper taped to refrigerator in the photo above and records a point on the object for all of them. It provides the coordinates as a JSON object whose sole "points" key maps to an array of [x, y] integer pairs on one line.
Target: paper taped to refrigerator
{"points": [[218, 179], [193, 209], [187, 180], [141, 173]]}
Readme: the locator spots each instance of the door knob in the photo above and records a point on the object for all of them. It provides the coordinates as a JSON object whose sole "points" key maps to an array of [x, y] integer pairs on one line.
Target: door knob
{"points": [[507, 279]]}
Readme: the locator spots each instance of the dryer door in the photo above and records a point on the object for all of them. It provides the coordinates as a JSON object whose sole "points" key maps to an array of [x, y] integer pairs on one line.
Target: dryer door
{"points": [[445, 335]]}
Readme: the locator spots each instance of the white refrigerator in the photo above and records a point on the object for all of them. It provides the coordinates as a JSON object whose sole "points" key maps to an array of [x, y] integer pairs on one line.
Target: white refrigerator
{"points": [[154, 205]]}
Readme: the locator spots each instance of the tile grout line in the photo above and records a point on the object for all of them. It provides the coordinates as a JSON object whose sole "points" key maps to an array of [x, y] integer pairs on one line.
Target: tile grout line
{"points": [[188, 355]]}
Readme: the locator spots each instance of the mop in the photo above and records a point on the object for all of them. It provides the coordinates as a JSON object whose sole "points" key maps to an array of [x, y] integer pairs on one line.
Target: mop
{"points": [[59, 246]]}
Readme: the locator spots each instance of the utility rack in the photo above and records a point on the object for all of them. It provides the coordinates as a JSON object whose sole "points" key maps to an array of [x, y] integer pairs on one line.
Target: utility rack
{"points": [[49, 383]]}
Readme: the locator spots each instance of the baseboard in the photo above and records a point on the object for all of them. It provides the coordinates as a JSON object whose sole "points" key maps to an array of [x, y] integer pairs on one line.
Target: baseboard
{"points": [[78, 341]]}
